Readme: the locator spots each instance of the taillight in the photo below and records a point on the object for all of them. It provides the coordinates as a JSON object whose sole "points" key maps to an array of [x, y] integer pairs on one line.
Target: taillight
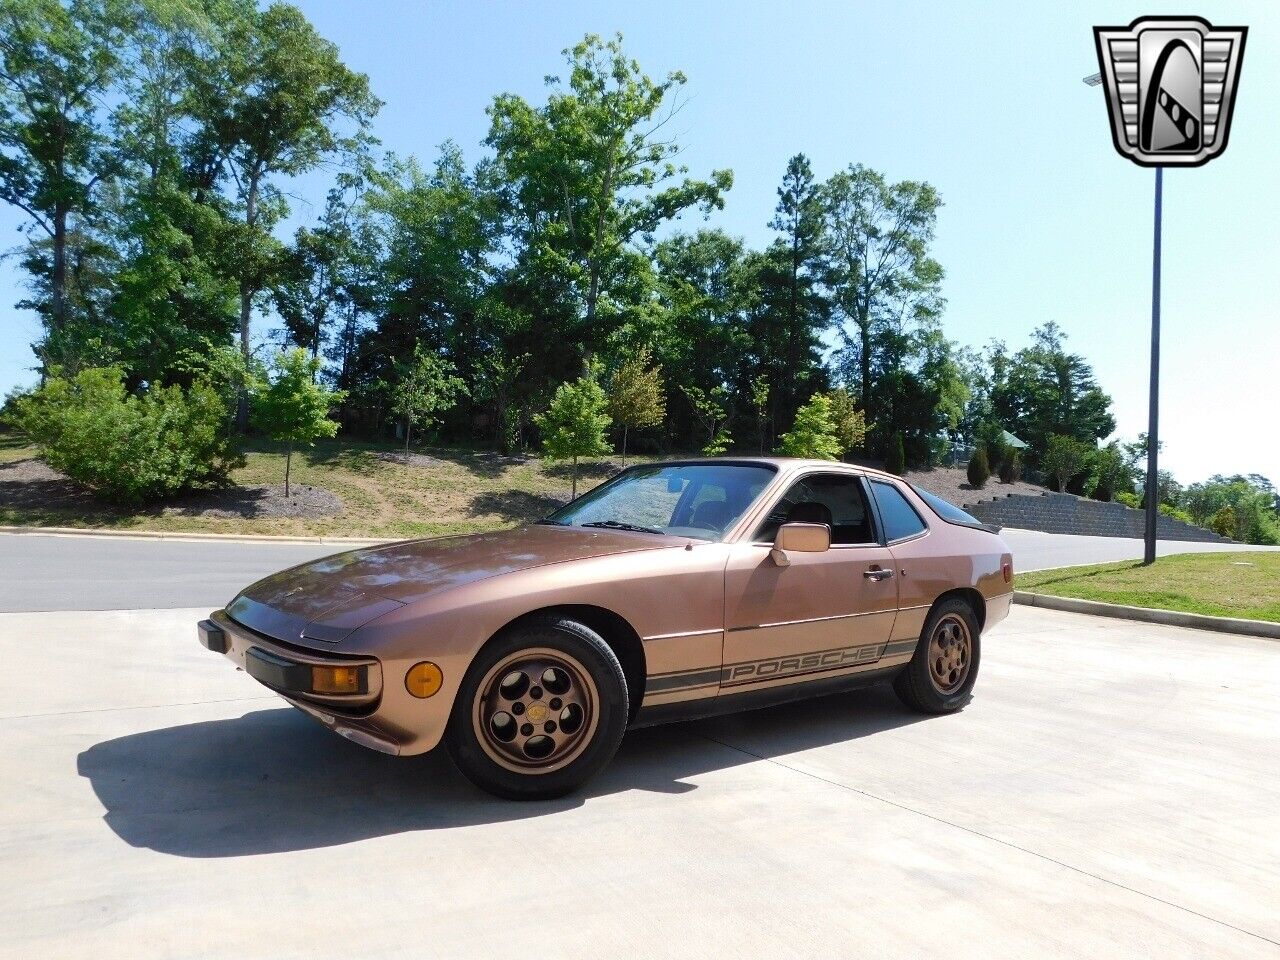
{"points": [[1006, 569]]}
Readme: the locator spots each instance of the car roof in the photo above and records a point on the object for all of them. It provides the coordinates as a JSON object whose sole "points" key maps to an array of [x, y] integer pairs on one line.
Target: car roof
{"points": [[778, 463]]}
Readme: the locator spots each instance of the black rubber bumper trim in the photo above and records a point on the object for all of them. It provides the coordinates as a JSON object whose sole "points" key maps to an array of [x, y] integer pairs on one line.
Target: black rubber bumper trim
{"points": [[212, 636], [287, 676]]}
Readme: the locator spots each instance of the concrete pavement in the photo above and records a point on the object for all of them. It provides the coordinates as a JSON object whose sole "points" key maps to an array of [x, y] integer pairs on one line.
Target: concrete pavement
{"points": [[111, 573], [1110, 792]]}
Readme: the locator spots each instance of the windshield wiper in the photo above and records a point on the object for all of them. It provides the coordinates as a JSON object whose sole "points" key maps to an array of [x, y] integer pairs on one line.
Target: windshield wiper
{"points": [[547, 521], [618, 525]]}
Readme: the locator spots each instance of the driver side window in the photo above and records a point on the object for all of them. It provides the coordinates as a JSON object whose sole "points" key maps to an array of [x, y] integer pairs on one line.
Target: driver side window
{"points": [[834, 499]]}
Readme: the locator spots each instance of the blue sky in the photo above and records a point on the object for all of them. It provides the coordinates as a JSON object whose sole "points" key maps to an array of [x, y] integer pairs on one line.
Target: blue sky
{"points": [[1042, 219]]}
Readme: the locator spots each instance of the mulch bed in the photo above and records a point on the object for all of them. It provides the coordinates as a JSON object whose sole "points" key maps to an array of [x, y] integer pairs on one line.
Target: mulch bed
{"points": [[33, 485], [415, 459], [951, 483], [257, 502]]}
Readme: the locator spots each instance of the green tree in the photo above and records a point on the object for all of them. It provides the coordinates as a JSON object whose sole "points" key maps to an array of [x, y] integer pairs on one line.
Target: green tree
{"points": [[760, 406], [315, 276], [423, 276], [896, 462], [1251, 500], [291, 408], [591, 171], [269, 95], [1223, 522], [1046, 391], [882, 273], [426, 387], [58, 64], [920, 390], [1113, 472], [708, 411], [636, 398], [1064, 458], [814, 433], [171, 280], [706, 322], [979, 470], [801, 249], [850, 423], [574, 425]]}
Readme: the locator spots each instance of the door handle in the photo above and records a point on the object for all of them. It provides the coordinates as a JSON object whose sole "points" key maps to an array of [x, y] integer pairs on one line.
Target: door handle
{"points": [[877, 573]]}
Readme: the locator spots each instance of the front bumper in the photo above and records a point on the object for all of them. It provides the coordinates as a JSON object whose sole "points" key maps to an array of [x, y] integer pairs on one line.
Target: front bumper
{"points": [[286, 670]]}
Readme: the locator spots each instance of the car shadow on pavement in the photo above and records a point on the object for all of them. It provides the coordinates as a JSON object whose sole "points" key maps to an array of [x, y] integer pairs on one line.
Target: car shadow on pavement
{"points": [[274, 780]]}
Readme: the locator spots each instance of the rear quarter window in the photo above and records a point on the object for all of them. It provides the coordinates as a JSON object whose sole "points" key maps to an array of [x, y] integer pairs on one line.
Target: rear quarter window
{"points": [[896, 513], [947, 510]]}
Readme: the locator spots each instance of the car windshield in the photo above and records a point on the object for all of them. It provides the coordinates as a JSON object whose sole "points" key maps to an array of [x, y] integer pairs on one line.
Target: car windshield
{"points": [[700, 500]]}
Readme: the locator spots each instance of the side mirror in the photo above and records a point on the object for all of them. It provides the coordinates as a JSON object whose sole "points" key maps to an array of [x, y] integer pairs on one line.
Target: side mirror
{"points": [[802, 538]]}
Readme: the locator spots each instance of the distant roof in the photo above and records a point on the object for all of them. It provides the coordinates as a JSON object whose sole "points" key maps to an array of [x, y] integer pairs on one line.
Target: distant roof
{"points": [[1011, 440]]}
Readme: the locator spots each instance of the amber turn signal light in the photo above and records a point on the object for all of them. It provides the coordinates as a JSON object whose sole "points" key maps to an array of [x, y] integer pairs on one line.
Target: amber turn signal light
{"points": [[336, 680], [423, 679]]}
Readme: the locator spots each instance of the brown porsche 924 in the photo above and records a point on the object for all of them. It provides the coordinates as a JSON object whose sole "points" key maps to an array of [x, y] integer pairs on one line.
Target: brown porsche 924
{"points": [[674, 590]]}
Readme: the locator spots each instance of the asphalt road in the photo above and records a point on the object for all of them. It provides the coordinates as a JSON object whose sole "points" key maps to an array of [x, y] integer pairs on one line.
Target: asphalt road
{"points": [[113, 573], [1110, 792]]}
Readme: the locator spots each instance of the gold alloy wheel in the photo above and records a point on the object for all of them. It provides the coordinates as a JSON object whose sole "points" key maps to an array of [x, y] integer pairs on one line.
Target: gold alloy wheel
{"points": [[536, 711], [950, 653]]}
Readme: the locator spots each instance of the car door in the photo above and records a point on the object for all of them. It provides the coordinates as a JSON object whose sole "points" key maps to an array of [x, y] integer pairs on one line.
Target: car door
{"points": [[823, 613]]}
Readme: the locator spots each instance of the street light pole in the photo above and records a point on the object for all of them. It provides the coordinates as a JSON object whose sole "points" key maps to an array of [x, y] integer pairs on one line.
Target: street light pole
{"points": [[1153, 414], [1152, 487]]}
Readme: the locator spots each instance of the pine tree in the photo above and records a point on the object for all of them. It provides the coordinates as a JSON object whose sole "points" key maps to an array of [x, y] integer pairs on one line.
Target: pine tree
{"points": [[979, 469], [897, 460]]}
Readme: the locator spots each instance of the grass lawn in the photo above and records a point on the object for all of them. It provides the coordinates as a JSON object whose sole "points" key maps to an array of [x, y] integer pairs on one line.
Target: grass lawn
{"points": [[465, 491], [1245, 585]]}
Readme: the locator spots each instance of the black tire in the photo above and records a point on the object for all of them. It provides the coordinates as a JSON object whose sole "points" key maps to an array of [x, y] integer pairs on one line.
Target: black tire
{"points": [[918, 685], [488, 763]]}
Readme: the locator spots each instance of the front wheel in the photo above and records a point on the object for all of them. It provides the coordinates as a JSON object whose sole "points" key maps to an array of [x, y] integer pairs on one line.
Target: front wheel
{"points": [[541, 710], [941, 675]]}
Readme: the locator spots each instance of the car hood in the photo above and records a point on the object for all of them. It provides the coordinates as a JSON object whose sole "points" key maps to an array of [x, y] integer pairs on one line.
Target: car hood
{"points": [[327, 599]]}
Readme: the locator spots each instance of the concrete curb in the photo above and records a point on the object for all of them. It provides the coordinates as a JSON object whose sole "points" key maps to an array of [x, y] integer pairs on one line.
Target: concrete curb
{"points": [[1172, 618], [179, 535]]}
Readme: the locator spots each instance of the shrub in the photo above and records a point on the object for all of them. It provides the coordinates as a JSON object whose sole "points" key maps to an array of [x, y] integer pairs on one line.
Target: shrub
{"points": [[130, 448], [1128, 499], [1112, 470], [896, 461], [1169, 510], [991, 436], [1011, 467], [979, 470], [813, 435], [1223, 523], [1085, 480], [1064, 458]]}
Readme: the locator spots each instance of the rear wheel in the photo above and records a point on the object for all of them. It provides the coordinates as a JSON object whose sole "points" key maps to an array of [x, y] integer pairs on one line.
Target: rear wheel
{"points": [[941, 675], [541, 710]]}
